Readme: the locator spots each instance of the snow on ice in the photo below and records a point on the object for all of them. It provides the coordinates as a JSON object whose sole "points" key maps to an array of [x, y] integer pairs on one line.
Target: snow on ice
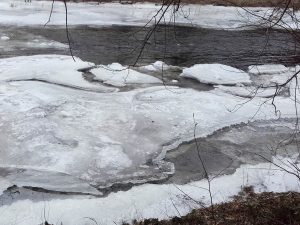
{"points": [[81, 135], [64, 133], [103, 138]]}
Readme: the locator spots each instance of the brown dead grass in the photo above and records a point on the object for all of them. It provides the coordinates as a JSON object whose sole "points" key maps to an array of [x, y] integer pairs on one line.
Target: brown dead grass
{"points": [[246, 209]]}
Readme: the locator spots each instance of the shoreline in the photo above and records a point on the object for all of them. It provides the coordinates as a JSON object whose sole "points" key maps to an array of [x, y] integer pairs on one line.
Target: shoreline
{"points": [[237, 3]]}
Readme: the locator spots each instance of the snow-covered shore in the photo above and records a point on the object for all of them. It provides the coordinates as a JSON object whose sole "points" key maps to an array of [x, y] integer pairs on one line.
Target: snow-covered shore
{"points": [[150, 200], [36, 13]]}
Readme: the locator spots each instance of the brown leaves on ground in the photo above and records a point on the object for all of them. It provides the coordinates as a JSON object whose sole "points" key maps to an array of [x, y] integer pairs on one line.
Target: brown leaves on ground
{"points": [[246, 209]]}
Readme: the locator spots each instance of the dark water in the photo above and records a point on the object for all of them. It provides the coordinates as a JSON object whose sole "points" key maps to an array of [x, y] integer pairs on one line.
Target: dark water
{"points": [[226, 149], [182, 46]]}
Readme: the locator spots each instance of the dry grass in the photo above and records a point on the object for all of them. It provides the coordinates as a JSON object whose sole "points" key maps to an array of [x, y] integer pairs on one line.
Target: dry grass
{"points": [[246, 209]]}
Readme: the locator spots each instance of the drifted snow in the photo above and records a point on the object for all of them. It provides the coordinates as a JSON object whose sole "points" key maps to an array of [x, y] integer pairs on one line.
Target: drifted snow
{"points": [[150, 200], [216, 74], [118, 75]]}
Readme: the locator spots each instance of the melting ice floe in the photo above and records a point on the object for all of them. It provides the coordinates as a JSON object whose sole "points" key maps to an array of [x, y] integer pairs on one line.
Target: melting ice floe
{"points": [[57, 69], [216, 74], [118, 75]]}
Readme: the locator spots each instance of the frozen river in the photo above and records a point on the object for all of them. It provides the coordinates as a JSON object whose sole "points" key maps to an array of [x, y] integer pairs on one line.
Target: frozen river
{"points": [[132, 128], [94, 136]]}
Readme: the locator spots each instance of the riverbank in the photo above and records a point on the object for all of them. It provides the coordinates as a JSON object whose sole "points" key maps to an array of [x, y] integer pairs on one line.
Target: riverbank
{"points": [[246, 208], [240, 3], [36, 13]]}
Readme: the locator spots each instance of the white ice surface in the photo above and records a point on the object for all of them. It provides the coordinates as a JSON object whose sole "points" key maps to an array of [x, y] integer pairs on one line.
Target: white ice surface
{"points": [[58, 69], [104, 137], [17, 12], [216, 74], [118, 75], [150, 200]]}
